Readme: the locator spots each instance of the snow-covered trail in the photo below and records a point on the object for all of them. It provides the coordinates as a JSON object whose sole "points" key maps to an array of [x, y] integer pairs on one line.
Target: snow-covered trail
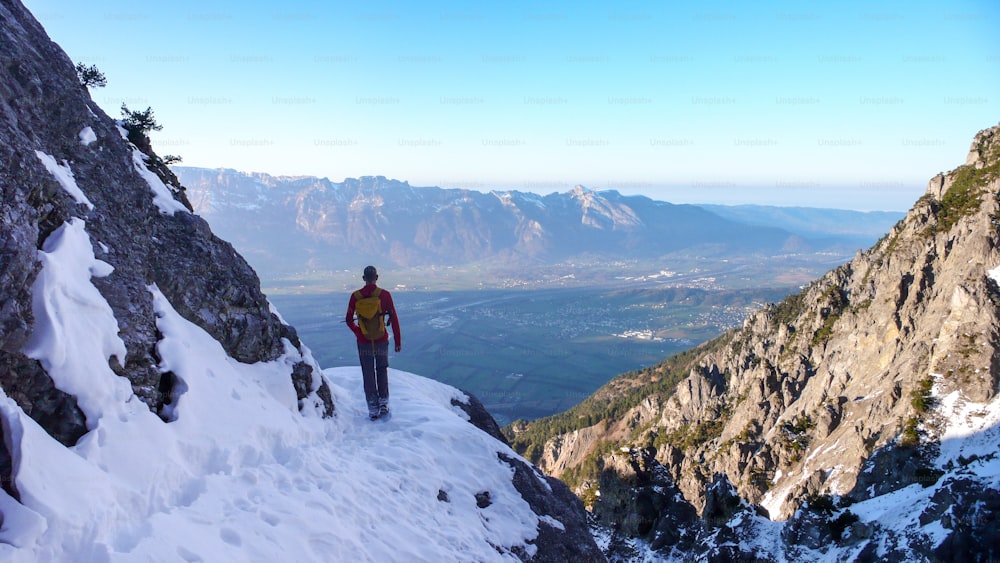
{"points": [[354, 490], [399, 471]]}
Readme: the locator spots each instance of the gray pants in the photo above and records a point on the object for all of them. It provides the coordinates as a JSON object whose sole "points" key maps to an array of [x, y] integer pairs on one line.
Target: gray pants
{"points": [[375, 371]]}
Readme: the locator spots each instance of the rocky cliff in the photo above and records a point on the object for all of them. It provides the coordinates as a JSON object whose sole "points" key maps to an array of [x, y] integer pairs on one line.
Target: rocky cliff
{"points": [[64, 162], [873, 380]]}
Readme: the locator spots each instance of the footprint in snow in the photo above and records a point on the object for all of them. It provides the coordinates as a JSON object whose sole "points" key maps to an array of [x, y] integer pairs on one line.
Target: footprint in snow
{"points": [[189, 556], [230, 536], [271, 519], [319, 506]]}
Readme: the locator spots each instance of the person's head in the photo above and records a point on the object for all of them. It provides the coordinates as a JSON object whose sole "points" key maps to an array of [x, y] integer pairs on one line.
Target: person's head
{"points": [[370, 275]]}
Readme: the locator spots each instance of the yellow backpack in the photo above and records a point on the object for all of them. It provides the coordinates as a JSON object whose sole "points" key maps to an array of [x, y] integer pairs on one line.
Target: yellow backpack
{"points": [[371, 317]]}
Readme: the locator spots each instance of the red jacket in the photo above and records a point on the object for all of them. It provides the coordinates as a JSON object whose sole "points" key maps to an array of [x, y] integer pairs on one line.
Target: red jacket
{"points": [[386, 299]]}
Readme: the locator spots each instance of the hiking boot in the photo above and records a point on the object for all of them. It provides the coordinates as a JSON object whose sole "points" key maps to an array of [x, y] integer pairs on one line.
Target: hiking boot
{"points": [[383, 410], [373, 410]]}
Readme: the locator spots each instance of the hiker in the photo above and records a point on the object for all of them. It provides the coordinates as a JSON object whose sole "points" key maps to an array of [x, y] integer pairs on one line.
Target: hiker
{"points": [[372, 304]]}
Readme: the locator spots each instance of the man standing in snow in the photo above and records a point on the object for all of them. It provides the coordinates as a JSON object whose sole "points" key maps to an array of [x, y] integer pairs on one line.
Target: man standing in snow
{"points": [[372, 305]]}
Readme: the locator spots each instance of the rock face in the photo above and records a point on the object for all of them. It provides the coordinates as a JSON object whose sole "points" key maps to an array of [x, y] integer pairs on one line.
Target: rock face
{"points": [[847, 390], [63, 160], [548, 497]]}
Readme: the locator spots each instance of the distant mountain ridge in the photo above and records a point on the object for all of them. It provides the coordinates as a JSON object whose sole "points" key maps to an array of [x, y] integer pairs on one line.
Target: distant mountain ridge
{"points": [[308, 222], [813, 222]]}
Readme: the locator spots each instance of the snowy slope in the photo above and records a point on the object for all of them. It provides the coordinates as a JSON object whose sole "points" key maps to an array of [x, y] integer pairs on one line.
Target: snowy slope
{"points": [[239, 474]]}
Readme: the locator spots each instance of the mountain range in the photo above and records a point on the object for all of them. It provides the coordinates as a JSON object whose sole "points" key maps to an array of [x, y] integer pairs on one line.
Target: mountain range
{"points": [[862, 227], [294, 224]]}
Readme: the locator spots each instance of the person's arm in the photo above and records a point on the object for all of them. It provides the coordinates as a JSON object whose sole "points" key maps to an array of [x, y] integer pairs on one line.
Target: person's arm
{"points": [[349, 318], [389, 306]]}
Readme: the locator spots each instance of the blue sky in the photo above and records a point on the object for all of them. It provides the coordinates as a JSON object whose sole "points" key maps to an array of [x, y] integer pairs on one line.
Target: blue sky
{"points": [[854, 104]]}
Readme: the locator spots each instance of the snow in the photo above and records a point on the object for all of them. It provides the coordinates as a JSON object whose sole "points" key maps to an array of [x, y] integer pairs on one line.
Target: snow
{"points": [[64, 175], [239, 474], [824, 451], [773, 500], [639, 551], [971, 430], [766, 542], [507, 199], [553, 522], [77, 332], [898, 510], [162, 196], [995, 274], [87, 136]]}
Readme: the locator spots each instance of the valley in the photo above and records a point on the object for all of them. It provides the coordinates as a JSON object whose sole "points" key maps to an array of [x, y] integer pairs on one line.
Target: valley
{"points": [[535, 340], [688, 270], [529, 353]]}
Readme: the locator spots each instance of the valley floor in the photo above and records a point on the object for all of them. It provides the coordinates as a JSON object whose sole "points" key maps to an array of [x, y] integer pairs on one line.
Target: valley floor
{"points": [[530, 353]]}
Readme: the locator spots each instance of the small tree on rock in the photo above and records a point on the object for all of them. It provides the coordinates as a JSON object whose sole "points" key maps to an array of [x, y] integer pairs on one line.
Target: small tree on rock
{"points": [[139, 122], [90, 76]]}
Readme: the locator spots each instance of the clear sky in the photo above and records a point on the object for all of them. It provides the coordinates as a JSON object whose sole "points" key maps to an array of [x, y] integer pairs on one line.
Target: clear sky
{"points": [[849, 104]]}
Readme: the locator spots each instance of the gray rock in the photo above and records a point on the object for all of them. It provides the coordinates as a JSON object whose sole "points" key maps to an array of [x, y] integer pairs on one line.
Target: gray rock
{"points": [[563, 534], [43, 107], [974, 513], [479, 416]]}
